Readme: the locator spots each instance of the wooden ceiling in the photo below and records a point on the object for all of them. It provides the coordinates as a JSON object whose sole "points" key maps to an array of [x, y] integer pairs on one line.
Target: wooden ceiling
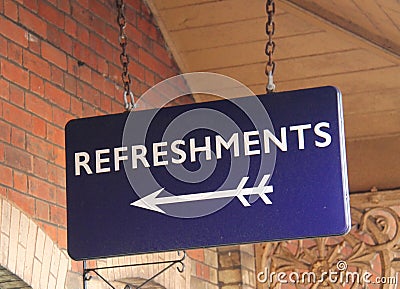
{"points": [[352, 44]]}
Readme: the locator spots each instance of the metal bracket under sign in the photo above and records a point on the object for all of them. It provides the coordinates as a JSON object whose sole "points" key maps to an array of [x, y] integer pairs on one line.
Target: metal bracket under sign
{"points": [[170, 263]]}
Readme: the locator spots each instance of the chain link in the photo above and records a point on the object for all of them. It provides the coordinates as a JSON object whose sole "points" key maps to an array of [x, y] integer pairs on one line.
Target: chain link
{"points": [[129, 100], [270, 46]]}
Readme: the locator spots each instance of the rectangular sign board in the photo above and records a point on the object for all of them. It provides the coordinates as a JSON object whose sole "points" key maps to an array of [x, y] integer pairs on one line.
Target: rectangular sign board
{"points": [[251, 169]]}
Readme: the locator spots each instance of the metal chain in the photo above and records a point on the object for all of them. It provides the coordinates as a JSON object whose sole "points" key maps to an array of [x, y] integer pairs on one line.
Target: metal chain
{"points": [[270, 46], [129, 100]]}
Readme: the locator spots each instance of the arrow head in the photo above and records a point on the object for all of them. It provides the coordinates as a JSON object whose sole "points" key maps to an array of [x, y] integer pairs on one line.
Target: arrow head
{"points": [[149, 202]]}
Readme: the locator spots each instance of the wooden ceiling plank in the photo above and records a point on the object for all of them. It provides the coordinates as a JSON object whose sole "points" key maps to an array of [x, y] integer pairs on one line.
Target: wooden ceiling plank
{"points": [[368, 167], [380, 20], [253, 52], [244, 31], [371, 101], [309, 66], [349, 83], [168, 4], [213, 13], [372, 124], [354, 22]]}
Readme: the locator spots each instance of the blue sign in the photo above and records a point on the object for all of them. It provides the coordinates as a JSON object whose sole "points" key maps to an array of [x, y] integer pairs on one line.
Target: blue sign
{"points": [[250, 169]]}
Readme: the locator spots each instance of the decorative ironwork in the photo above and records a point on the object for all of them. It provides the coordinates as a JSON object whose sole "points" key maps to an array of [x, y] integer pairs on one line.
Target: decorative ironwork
{"points": [[170, 263], [368, 254]]}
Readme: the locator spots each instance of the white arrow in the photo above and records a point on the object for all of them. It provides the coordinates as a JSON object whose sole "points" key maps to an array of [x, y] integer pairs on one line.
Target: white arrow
{"points": [[151, 202]]}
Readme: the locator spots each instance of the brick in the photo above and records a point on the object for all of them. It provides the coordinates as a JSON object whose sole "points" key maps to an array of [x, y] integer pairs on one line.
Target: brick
{"points": [[53, 35], [20, 259], [66, 43], [36, 84], [56, 176], [38, 127], [55, 135], [36, 64], [6, 176], [196, 254], [48, 249], [34, 43], [40, 168], [76, 107], [85, 73], [17, 95], [42, 189], [202, 271], [25, 202], [101, 11], [13, 32], [17, 137], [30, 251], [137, 70], [70, 83], [50, 230], [54, 55], [83, 34], [147, 28], [23, 231], [62, 271], [230, 276], [72, 66], [31, 5], [39, 250], [59, 156], [51, 14], [37, 267], [20, 182], [55, 262], [57, 75], [1, 152], [14, 73], [17, 116], [5, 131], [18, 159], [64, 6], [13, 248], [89, 94], [109, 87], [149, 77], [105, 103], [33, 22], [38, 147], [149, 61], [71, 27], [4, 89], [162, 53], [42, 210], [14, 52], [3, 46], [39, 107], [98, 25], [102, 66], [88, 110], [62, 238], [61, 194], [60, 117], [58, 96], [58, 216], [11, 10]]}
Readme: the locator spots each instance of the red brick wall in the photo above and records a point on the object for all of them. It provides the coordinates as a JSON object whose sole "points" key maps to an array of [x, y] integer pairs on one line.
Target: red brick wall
{"points": [[59, 60]]}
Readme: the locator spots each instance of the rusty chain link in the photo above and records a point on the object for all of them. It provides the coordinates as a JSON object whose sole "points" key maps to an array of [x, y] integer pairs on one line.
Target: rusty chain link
{"points": [[270, 46], [129, 100]]}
